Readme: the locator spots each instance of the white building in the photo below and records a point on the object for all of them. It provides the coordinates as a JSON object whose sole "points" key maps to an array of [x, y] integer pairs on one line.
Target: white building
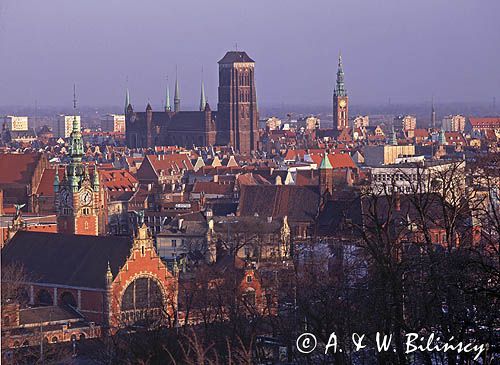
{"points": [[407, 122], [386, 154], [64, 125], [113, 123], [361, 121], [15, 123], [418, 176], [454, 123]]}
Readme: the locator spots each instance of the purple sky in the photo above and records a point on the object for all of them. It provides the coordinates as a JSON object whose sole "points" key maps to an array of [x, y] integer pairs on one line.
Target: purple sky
{"points": [[405, 50]]}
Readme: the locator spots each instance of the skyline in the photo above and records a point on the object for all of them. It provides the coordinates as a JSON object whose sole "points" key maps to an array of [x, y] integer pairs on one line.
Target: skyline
{"points": [[295, 61]]}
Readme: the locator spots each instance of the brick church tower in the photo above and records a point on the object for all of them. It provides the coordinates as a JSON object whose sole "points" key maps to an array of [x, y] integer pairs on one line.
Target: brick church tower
{"points": [[340, 100], [79, 198], [237, 115]]}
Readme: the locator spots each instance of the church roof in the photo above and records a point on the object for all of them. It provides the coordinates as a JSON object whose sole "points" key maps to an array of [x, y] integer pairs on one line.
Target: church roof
{"points": [[236, 56], [62, 259]]}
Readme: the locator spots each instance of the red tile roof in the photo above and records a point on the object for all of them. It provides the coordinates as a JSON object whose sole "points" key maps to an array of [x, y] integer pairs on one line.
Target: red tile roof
{"points": [[485, 123], [18, 168], [210, 187], [175, 162], [46, 186]]}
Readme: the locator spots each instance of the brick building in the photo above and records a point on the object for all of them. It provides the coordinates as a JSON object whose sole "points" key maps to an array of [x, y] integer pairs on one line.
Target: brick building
{"points": [[235, 122], [111, 281]]}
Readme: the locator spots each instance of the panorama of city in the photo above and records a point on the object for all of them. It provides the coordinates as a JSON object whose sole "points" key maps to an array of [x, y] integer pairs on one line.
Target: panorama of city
{"points": [[211, 218]]}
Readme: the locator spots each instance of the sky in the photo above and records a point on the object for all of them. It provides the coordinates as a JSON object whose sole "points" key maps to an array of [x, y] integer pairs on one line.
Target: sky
{"points": [[404, 50]]}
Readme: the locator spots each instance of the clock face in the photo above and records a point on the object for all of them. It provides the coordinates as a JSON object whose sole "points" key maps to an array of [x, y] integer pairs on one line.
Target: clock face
{"points": [[342, 103], [86, 197]]}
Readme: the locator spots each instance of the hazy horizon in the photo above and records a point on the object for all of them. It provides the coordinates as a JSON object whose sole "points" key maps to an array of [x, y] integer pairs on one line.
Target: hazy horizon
{"points": [[407, 52]]}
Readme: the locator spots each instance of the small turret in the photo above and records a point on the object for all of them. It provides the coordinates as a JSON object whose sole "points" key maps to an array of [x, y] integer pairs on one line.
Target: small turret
{"points": [[86, 175], [109, 277], [442, 137], [177, 97], [96, 177], [325, 163], [394, 138], [56, 181]]}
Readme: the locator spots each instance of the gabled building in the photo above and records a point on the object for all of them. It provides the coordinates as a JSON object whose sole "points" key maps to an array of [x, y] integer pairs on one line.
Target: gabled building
{"points": [[20, 175], [112, 281]]}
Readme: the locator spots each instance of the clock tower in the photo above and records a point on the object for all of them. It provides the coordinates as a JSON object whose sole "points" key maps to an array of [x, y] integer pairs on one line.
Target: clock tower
{"points": [[78, 196], [340, 100]]}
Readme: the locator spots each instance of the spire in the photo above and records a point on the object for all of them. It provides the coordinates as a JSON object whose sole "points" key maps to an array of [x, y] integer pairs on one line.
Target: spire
{"points": [[177, 95], [75, 168], [325, 163], [109, 276], [340, 87], [203, 100], [433, 114], [167, 99], [394, 138], [127, 100]]}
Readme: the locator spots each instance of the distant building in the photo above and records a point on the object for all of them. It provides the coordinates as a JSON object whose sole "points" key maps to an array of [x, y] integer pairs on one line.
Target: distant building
{"points": [[312, 123], [113, 123], [454, 123], [64, 125], [482, 124], [413, 176], [361, 121], [273, 123], [17, 124], [406, 122], [387, 154]]}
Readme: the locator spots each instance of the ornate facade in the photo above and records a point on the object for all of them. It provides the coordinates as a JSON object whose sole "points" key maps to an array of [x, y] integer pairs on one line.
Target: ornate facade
{"points": [[79, 198]]}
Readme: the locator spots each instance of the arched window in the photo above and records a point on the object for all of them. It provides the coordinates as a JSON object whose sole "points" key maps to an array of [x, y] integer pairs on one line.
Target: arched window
{"points": [[44, 298], [142, 298], [54, 339], [26, 343], [68, 298], [82, 336]]}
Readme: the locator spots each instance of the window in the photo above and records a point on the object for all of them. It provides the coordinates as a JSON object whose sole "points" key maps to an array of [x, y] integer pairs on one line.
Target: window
{"points": [[54, 339], [249, 278], [86, 211], [174, 243]]}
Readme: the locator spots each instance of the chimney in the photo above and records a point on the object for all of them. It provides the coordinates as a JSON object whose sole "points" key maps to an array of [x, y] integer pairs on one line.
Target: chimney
{"points": [[397, 201]]}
